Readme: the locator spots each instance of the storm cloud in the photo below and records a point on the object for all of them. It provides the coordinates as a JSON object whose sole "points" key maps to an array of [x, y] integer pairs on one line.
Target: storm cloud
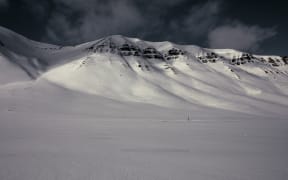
{"points": [[239, 36], [73, 21], [204, 23], [3, 3], [201, 18]]}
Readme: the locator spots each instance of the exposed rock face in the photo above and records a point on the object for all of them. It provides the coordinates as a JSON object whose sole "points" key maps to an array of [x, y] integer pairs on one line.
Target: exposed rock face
{"points": [[104, 47], [285, 60], [209, 58], [124, 47], [152, 53], [129, 50], [243, 59], [174, 53]]}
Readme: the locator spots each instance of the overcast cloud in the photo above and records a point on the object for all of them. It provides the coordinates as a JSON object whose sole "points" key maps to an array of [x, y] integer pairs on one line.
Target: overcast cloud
{"points": [[74, 21], [201, 18], [3, 3], [239, 36], [182, 21], [77, 21]]}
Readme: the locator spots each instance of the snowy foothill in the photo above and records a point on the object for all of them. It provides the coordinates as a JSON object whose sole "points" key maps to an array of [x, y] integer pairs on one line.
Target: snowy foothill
{"points": [[121, 108]]}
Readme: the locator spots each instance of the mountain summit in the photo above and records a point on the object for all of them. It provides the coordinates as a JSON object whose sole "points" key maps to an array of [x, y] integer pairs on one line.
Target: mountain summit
{"points": [[159, 73]]}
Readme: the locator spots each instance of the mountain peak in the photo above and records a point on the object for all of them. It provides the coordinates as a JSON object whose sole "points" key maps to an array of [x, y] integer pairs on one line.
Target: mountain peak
{"points": [[161, 73]]}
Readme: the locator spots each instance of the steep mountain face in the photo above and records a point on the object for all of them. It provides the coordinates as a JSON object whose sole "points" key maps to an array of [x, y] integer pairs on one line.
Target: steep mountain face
{"points": [[161, 73]]}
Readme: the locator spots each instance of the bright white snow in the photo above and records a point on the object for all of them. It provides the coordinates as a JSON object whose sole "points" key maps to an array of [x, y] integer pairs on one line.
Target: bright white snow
{"points": [[123, 109]]}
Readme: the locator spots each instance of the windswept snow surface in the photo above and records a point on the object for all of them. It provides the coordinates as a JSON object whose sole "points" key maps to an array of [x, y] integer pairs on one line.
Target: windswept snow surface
{"points": [[121, 108]]}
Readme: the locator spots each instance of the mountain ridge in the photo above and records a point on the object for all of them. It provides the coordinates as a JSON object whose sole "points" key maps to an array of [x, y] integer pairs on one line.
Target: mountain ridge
{"points": [[160, 73]]}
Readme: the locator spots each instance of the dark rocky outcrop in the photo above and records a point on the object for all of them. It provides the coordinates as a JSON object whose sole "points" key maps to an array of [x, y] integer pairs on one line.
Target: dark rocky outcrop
{"points": [[243, 59], [106, 46], [129, 50], [152, 53], [174, 54], [285, 60], [209, 58], [273, 62]]}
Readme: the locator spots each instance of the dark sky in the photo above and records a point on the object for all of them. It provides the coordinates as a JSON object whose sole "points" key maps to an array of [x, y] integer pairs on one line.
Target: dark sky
{"points": [[254, 26]]}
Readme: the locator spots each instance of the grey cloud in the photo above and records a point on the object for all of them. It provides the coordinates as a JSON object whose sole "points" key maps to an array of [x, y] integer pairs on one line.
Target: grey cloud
{"points": [[239, 36], [192, 25], [92, 21], [168, 2], [74, 21], [202, 17], [39, 8], [199, 22], [3, 3]]}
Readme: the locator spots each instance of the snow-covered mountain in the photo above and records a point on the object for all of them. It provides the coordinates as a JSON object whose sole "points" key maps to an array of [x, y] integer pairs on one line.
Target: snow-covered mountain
{"points": [[122, 108], [159, 73]]}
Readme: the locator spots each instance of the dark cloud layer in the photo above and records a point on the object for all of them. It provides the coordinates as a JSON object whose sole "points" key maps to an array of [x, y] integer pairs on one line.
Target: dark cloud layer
{"points": [[206, 23], [239, 36], [75, 21], [3, 3]]}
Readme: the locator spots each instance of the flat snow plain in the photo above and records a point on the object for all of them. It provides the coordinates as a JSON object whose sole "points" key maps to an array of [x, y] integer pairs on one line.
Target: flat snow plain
{"points": [[50, 133]]}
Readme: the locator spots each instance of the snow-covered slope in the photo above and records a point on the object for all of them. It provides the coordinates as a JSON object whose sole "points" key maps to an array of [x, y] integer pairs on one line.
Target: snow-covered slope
{"points": [[123, 109], [159, 73]]}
